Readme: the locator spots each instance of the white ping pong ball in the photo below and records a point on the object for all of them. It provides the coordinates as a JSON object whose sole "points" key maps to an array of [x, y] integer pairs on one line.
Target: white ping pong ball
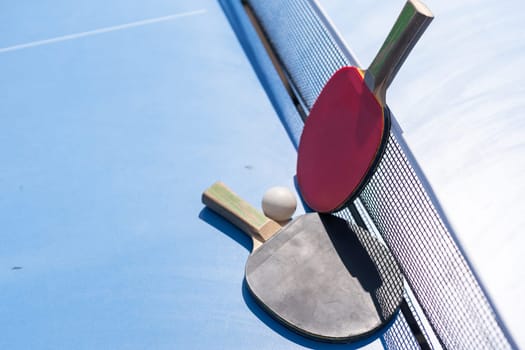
{"points": [[279, 203]]}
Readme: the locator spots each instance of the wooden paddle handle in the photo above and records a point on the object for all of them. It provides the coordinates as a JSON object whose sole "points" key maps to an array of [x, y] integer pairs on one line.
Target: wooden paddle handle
{"points": [[229, 205], [408, 28]]}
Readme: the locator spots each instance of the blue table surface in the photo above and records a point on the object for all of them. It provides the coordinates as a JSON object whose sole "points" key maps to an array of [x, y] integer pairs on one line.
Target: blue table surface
{"points": [[111, 130]]}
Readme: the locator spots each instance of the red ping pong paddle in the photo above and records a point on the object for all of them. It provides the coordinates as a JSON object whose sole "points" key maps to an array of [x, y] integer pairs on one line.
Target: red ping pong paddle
{"points": [[319, 275], [347, 129]]}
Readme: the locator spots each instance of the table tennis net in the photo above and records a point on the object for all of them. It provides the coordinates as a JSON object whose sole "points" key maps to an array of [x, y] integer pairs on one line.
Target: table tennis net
{"points": [[397, 202]]}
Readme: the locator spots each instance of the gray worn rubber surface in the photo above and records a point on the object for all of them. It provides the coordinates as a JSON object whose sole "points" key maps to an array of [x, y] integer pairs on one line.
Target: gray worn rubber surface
{"points": [[326, 279]]}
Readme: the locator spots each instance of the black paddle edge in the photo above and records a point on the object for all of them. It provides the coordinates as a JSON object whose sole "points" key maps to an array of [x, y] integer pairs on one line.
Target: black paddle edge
{"points": [[365, 336]]}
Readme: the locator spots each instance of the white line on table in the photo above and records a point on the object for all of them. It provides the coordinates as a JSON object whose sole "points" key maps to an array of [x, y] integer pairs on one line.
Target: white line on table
{"points": [[101, 30]]}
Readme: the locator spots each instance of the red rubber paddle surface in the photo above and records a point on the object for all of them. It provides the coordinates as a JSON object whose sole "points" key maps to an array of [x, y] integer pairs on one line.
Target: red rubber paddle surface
{"points": [[340, 142]]}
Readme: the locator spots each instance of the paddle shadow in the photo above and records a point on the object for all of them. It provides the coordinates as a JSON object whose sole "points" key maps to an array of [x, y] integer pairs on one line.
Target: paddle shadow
{"points": [[354, 257], [223, 225]]}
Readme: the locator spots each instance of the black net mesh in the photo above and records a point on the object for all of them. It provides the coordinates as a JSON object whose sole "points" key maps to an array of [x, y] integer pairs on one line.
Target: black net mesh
{"points": [[397, 202], [399, 336]]}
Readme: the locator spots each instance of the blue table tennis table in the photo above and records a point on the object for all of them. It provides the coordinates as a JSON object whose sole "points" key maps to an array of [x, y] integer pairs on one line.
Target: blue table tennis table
{"points": [[115, 116]]}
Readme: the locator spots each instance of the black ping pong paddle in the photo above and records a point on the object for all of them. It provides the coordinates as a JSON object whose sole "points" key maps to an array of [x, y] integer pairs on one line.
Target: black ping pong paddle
{"points": [[347, 129], [319, 275]]}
